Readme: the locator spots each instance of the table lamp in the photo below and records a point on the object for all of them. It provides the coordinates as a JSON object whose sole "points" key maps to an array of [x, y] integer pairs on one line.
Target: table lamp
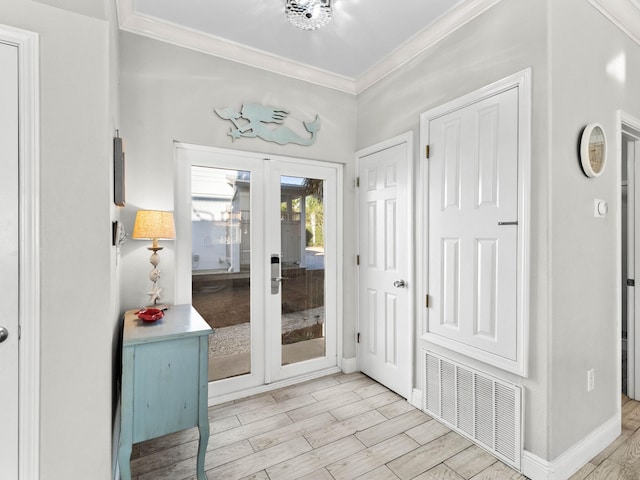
{"points": [[154, 225]]}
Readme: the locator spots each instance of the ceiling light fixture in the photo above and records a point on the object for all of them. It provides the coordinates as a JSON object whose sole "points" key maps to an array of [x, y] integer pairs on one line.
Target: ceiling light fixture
{"points": [[308, 14]]}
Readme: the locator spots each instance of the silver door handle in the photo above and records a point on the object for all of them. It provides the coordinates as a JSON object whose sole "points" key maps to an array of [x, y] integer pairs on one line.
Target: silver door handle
{"points": [[279, 279], [4, 334], [400, 284]]}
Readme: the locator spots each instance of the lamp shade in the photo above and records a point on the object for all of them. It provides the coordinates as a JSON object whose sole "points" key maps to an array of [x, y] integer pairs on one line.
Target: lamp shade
{"points": [[154, 224]]}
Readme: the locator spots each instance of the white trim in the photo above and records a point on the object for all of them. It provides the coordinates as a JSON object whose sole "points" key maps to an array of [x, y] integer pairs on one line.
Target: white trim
{"points": [[423, 40], [623, 14], [132, 21], [416, 399], [522, 81], [573, 458], [633, 321], [217, 400], [29, 349], [349, 365], [340, 271], [402, 139]]}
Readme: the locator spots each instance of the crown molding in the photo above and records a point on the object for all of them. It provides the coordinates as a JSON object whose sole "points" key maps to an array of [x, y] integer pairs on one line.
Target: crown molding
{"points": [[131, 21], [423, 40], [625, 14]]}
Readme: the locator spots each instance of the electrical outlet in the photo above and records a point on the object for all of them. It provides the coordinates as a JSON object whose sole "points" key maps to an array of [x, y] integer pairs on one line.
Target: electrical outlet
{"points": [[591, 379]]}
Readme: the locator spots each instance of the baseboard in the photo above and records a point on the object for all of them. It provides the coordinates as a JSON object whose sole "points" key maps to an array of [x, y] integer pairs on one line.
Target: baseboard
{"points": [[217, 400], [349, 365], [534, 467], [575, 457], [416, 398]]}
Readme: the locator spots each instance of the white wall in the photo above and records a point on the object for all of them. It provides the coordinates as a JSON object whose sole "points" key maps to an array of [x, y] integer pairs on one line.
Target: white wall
{"points": [[90, 8], [76, 260], [575, 306], [509, 37], [584, 280], [168, 93]]}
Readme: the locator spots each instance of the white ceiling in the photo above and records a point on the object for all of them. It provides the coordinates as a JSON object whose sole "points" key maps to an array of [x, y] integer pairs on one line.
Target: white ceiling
{"points": [[365, 40], [361, 33]]}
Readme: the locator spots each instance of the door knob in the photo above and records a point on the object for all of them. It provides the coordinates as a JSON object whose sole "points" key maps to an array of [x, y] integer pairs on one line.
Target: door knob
{"points": [[400, 284], [4, 334]]}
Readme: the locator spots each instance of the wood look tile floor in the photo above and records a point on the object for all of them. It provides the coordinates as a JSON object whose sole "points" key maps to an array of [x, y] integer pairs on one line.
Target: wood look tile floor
{"points": [[621, 459], [343, 427], [337, 427]]}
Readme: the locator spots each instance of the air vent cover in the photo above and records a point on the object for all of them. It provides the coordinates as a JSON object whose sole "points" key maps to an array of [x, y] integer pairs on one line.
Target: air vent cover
{"points": [[480, 407]]}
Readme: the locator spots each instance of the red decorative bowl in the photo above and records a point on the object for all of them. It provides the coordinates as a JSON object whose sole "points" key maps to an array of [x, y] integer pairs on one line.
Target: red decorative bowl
{"points": [[150, 314]]}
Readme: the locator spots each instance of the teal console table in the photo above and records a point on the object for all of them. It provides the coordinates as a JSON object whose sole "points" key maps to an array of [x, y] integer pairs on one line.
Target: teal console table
{"points": [[164, 380]]}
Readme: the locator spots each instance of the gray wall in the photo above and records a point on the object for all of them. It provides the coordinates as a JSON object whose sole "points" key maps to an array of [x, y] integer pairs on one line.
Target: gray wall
{"points": [[584, 280], [575, 305], [78, 317], [509, 37], [168, 93]]}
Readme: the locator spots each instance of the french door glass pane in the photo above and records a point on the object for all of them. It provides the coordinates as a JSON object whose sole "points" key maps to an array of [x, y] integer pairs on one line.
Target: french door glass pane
{"points": [[221, 252], [303, 270]]}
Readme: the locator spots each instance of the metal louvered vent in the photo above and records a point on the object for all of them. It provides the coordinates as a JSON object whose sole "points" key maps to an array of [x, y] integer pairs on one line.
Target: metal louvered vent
{"points": [[480, 407]]}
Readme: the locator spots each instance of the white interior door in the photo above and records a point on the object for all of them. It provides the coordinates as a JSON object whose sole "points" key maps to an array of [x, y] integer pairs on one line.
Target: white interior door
{"points": [[473, 227], [9, 260], [385, 320]]}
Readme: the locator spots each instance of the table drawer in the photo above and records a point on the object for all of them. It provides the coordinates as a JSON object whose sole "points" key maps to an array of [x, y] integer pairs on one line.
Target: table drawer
{"points": [[166, 380]]}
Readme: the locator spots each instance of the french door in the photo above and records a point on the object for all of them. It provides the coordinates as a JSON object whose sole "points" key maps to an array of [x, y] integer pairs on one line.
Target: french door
{"points": [[263, 270]]}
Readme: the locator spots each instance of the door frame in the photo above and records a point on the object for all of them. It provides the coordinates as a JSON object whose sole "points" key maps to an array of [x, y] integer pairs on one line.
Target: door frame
{"points": [[182, 259], [410, 243], [633, 301], [29, 218]]}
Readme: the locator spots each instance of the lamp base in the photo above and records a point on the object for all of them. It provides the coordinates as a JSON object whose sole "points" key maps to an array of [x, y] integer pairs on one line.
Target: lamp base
{"points": [[154, 294]]}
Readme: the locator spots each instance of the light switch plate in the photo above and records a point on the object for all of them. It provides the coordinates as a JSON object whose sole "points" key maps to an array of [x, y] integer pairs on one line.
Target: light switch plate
{"points": [[600, 208]]}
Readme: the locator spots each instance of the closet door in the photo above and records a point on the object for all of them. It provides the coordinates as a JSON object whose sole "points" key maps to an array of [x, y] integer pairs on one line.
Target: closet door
{"points": [[473, 226]]}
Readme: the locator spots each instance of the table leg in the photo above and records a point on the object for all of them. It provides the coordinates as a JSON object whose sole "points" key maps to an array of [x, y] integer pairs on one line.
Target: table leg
{"points": [[202, 450], [203, 411], [124, 457], [126, 416]]}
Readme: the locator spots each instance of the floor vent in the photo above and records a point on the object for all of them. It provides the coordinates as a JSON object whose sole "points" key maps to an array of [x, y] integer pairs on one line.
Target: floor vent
{"points": [[480, 407]]}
